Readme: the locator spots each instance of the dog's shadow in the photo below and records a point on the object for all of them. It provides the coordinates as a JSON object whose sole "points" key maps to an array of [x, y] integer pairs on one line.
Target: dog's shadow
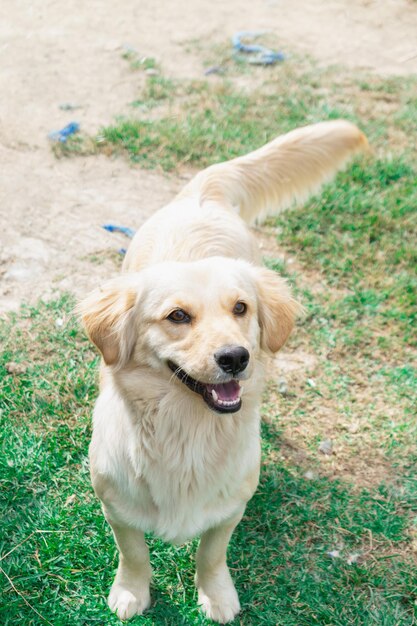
{"points": [[163, 612]]}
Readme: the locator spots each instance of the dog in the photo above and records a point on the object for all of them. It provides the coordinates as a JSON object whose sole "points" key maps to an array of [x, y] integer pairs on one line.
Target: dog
{"points": [[185, 332]]}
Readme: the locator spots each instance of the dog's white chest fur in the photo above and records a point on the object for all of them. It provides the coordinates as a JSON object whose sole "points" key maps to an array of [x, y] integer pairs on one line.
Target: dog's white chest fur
{"points": [[178, 472]]}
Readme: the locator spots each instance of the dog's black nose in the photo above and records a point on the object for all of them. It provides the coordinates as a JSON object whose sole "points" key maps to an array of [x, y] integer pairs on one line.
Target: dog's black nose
{"points": [[232, 359]]}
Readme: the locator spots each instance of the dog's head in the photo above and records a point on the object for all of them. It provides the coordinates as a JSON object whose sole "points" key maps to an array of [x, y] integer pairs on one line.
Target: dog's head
{"points": [[203, 323]]}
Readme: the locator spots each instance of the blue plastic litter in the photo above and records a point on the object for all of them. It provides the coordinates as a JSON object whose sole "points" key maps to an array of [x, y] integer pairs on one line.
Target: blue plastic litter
{"points": [[112, 228], [63, 134], [264, 56], [125, 230]]}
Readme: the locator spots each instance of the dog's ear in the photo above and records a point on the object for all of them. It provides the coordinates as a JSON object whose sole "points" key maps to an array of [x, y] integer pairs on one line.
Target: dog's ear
{"points": [[277, 309], [107, 315]]}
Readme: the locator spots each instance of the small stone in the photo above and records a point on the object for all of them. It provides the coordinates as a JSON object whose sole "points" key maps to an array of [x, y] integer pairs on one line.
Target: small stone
{"points": [[68, 106], [326, 447], [282, 386], [151, 71], [215, 69], [354, 427], [15, 368], [310, 475], [334, 554], [353, 558], [59, 322]]}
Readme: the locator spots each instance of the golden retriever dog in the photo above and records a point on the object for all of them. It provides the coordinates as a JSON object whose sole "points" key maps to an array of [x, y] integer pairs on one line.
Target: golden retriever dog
{"points": [[184, 333]]}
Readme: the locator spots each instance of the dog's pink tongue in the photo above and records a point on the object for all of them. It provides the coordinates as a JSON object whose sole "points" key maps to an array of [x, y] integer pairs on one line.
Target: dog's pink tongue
{"points": [[229, 392]]}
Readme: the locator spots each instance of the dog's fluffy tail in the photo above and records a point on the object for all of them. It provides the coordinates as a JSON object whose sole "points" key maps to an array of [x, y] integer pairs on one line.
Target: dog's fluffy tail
{"points": [[283, 172]]}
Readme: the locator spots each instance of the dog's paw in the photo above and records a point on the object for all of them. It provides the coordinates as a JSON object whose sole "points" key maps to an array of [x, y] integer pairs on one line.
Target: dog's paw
{"points": [[126, 603], [221, 606]]}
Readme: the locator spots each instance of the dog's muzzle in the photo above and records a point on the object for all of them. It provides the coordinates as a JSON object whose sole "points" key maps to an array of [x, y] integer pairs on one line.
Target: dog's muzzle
{"points": [[220, 397]]}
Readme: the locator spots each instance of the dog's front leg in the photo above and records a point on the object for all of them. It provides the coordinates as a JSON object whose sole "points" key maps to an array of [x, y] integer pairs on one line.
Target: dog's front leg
{"points": [[216, 592], [129, 594]]}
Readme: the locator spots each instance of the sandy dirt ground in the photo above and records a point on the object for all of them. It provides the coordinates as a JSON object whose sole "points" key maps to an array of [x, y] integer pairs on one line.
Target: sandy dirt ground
{"points": [[52, 53]]}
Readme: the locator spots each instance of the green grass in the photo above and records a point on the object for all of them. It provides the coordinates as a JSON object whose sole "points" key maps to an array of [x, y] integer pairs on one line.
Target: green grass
{"points": [[221, 123], [138, 62], [360, 233], [58, 551], [203, 122]]}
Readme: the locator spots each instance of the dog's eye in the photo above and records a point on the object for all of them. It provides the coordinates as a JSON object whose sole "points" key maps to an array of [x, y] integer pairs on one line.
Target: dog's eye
{"points": [[179, 317], [240, 308]]}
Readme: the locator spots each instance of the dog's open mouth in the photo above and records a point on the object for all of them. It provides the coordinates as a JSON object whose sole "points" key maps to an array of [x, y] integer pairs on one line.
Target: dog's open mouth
{"points": [[223, 397]]}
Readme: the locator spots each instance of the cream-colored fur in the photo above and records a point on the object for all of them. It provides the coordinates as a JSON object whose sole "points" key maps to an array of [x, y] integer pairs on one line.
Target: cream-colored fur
{"points": [[162, 459]]}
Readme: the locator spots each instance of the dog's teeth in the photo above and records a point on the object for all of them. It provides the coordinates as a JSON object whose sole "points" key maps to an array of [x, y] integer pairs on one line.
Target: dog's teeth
{"points": [[228, 403], [215, 396]]}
